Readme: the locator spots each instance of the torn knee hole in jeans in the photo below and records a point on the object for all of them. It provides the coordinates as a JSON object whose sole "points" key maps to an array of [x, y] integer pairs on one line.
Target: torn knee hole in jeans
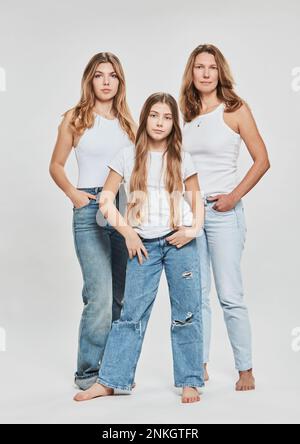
{"points": [[188, 320], [187, 275]]}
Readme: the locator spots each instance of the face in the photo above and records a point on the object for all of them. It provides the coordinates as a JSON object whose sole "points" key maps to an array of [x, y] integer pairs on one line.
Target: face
{"points": [[205, 73], [105, 82], [159, 122]]}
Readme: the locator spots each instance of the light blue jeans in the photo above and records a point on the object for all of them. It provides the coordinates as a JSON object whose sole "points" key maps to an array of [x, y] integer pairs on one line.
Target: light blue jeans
{"points": [[125, 340], [102, 254], [221, 246]]}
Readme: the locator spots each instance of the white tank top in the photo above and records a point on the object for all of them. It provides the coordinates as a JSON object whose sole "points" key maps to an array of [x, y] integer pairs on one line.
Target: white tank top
{"points": [[215, 149], [95, 149]]}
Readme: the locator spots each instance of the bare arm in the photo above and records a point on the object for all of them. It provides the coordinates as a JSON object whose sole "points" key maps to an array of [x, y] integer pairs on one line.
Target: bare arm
{"points": [[257, 149], [61, 152], [186, 234], [114, 217]]}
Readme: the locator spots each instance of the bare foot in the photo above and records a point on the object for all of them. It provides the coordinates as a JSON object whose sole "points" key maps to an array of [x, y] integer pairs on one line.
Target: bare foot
{"points": [[206, 375], [189, 395], [246, 381], [94, 392]]}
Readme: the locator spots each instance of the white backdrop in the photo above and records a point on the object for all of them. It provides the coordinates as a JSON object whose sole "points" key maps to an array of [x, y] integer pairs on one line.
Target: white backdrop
{"points": [[44, 47]]}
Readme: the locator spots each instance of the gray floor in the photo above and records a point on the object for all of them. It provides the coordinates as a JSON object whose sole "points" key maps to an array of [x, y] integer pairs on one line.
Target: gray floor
{"points": [[36, 376]]}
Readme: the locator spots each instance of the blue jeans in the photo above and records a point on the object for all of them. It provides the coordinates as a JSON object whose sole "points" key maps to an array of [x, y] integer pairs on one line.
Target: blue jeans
{"points": [[125, 340], [102, 255], [221, 246]]}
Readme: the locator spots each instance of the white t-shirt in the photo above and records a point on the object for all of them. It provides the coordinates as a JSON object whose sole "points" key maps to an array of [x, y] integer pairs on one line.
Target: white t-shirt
{"points": [[157, 220]]}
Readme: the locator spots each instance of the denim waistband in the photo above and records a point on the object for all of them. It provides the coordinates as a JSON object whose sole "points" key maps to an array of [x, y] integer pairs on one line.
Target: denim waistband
{"points": [[96, 190], [91, 190], [153, 239]]}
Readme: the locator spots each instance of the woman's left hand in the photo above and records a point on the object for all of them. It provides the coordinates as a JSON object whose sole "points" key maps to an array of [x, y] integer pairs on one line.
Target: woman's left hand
{"points": [[183, 236], [224, 202]]}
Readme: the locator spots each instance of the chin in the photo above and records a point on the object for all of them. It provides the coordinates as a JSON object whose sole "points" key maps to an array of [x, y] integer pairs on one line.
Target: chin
{"points": [[105, 97]]}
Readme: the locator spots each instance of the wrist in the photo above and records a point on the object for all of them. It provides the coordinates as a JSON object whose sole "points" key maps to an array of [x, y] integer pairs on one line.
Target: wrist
{"points": [[70, 191], [235, 196]]}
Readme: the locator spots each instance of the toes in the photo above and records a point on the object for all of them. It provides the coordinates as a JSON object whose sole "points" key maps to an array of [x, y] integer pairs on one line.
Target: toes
{"points": [[80, 397]]}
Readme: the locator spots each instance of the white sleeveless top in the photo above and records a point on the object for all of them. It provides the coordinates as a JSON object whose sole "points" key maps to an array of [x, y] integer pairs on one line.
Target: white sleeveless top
{"points": [[215, 149], [95, 149]]}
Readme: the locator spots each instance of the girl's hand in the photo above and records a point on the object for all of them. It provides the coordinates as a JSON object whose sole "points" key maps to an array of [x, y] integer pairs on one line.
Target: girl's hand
{"points": [[81, 198], [183, 236], [136, 247]]}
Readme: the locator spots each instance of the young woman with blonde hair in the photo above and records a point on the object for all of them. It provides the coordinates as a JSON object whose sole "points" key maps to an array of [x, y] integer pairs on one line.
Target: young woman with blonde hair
{"points": [[160, 228], [97, 127], [216, 120]]}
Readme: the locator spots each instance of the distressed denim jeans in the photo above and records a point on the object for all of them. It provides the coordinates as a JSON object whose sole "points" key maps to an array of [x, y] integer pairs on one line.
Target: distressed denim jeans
{"points": [[125, 340]]}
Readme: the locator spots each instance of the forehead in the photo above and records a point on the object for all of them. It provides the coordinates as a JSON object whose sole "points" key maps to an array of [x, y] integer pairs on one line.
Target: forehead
{"points": [[162, 108], [105, 67], [205, 57]]}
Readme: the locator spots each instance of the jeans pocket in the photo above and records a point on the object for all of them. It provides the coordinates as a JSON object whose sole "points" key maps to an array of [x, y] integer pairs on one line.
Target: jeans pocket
{"points": [[84, 206], [222, 212]]}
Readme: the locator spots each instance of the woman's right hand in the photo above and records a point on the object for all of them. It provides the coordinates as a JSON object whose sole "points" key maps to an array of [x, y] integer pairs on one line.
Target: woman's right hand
{"points": [[81, 198], [136, 247]]}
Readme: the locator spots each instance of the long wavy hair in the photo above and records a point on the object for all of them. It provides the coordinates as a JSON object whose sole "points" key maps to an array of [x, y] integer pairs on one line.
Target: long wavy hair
{"points": [[171, 165], [190, 101], [83, 116]]}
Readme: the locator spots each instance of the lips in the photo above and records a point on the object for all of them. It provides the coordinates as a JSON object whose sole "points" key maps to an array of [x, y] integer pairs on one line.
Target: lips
{"points": [[158, 131], [106, 90]]}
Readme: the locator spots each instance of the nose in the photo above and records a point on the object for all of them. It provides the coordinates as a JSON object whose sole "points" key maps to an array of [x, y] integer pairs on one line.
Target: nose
{"points": [[106, 80], [206, 73]]}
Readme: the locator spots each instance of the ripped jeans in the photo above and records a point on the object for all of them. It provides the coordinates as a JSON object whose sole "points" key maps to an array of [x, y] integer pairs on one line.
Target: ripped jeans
{"points": [[126, 337]]}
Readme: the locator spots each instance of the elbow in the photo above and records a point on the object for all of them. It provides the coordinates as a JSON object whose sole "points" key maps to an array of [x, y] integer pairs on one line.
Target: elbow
{"points": [[50, 169], [264, 164], [267, 164], [104, 204]]}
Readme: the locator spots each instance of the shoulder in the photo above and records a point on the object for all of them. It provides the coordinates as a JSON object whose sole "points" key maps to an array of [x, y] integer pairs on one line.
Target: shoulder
{"points": [[66, 120], [128, 151], [126, 154], [186, 156], [243, 112]]}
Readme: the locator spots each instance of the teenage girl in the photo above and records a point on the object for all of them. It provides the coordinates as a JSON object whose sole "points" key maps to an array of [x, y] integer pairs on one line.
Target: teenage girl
{"points": [[160, 228], [97, 128]]}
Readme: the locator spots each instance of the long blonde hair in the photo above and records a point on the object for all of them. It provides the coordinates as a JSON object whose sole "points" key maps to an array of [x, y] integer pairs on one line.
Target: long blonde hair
{"points": [[190, 99], [172, 167], [83, 116]]}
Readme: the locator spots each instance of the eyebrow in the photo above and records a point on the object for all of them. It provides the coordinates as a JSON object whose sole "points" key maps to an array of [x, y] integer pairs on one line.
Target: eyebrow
{"points": [[101, 72], [156, 112], [212, 64]]}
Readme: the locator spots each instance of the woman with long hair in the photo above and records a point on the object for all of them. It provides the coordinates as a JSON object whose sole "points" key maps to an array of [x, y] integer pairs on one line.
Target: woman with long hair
{"points": [[216, 120], [97, 127], [160, 228]]}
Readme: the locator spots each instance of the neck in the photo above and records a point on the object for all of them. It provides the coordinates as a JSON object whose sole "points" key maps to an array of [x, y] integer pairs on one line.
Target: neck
{"points": [[104, 108], [154, 145], [209, 100]]}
